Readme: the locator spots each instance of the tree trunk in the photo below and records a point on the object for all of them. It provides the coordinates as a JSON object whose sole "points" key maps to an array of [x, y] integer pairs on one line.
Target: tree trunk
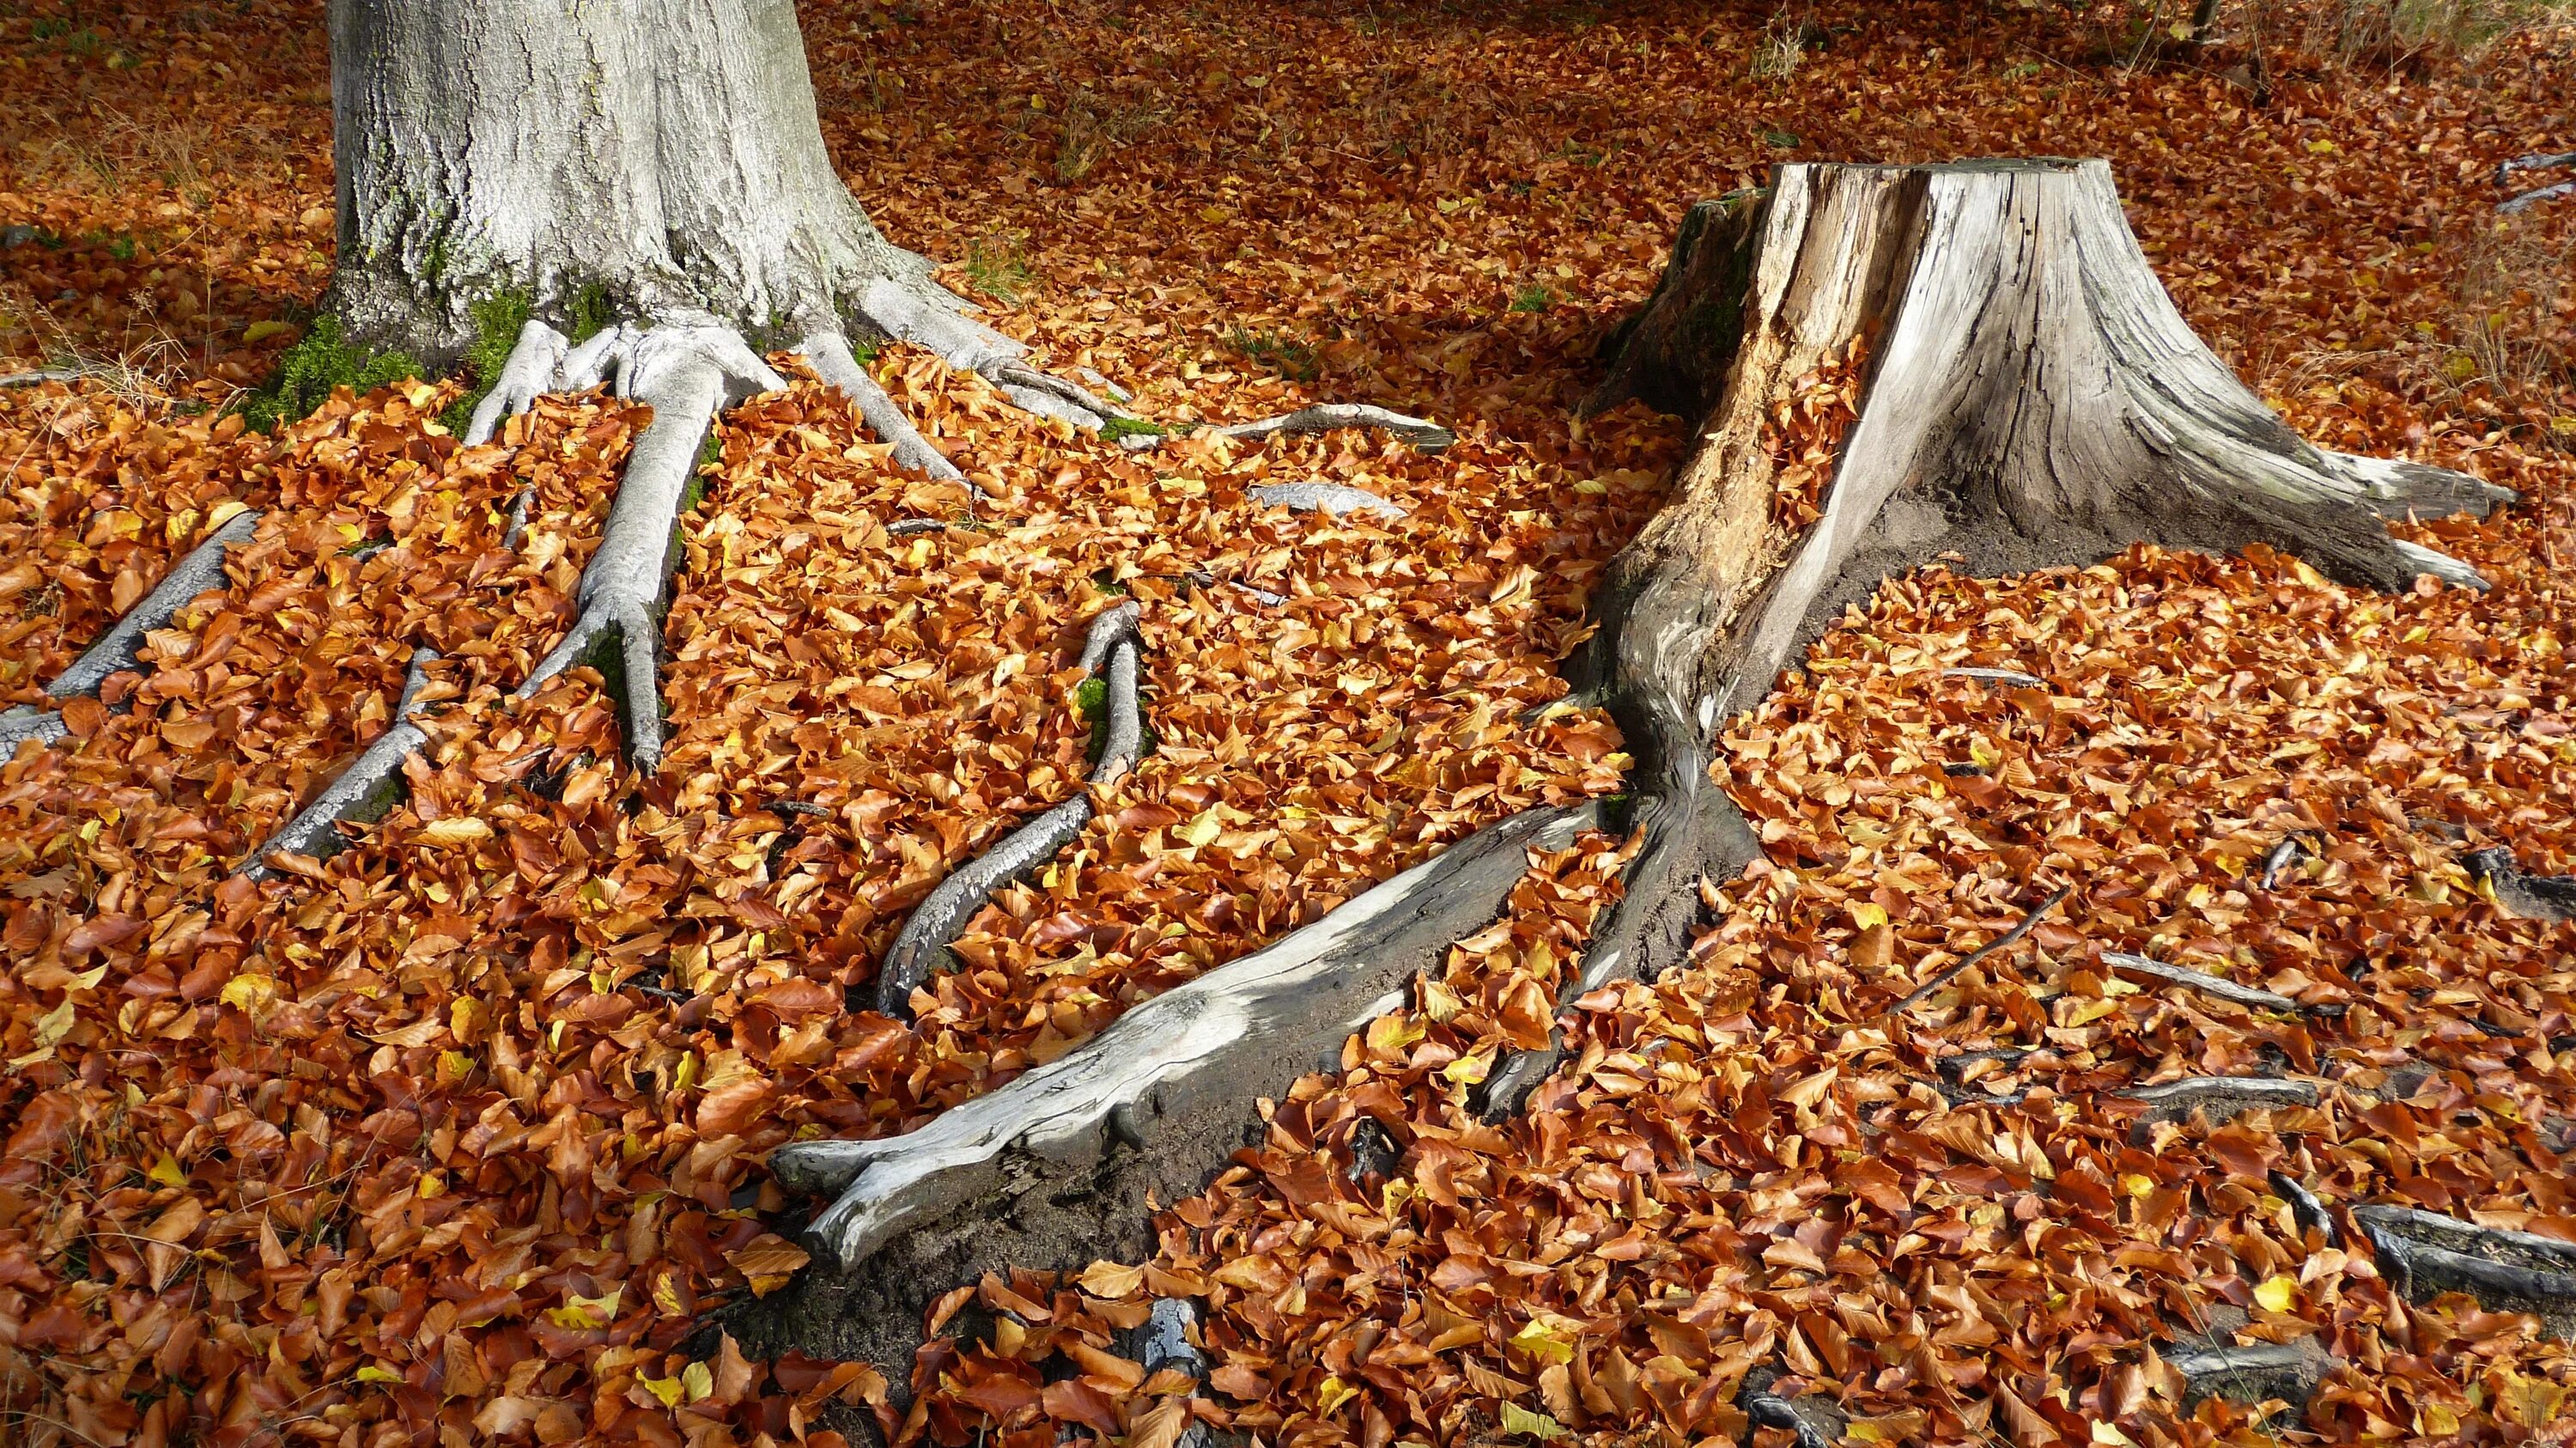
{"points": [[642, 161], [2019, 391]]}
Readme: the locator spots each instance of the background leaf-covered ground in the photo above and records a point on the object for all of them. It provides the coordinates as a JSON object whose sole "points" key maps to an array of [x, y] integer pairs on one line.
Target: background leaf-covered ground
{"points": [[458, 1134]]}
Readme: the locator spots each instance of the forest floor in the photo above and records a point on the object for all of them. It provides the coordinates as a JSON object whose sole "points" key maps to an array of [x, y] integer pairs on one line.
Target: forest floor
{"points": [[458, 1135]]}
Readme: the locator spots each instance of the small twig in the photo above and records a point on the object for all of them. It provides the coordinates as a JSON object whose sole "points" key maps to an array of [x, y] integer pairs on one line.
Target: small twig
{"points": [[2000, 942], [41, 374]]}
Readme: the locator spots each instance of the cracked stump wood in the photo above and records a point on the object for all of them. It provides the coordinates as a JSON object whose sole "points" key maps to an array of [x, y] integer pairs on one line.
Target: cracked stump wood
{"points": [[2031, 399]]}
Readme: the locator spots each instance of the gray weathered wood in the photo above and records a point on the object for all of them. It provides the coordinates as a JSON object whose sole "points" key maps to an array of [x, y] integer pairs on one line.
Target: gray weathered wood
{"points": [[1051, 1168]]}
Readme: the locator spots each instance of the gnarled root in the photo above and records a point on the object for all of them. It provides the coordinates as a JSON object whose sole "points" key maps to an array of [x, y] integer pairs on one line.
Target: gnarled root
{"points": [[921, 950], [2532, 897], [120, 648], [1332, 499], [363, 792], [686, 373], [535, 368], [2428, 1255], [2250, 997], [1148, 1104], [1428, 437], [929, 318]]}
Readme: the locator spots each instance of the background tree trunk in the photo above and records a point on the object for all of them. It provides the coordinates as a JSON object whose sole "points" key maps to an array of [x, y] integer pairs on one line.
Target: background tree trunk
{"points": [[666, 155]]}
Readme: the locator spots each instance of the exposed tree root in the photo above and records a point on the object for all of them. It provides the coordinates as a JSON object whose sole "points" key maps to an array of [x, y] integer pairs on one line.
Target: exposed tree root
{"points": [[2427, 1255], [2547, 162], [2220, 1099], [686, 373], [2216, 985], [535, 367], [41, 374], [2305, 1209], [2250, 1373], [1427, 437], [2532, 897], [2529, 199], [921, 950], [2000, 943], [1816, 1420], [1334, 499], [829, 354], [2008, 678], [120, 648], [1049, 1169], [363, 792], [2281, 857]]}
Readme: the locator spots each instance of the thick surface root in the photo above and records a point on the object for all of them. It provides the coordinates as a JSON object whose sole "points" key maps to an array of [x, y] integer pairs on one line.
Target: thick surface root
{"points": [[1151, 1103], [829, 354], [120, 648], [2532, 897], [2428, 1255], [363, 792], [1332, 499], [1429, 437], [921, 950]]}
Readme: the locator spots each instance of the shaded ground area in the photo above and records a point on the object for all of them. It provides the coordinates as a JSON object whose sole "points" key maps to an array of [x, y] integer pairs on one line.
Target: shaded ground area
{"points": [[459, 1133]]}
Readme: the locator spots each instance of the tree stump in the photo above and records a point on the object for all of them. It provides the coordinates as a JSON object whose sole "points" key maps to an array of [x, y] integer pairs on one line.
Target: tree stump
{"points": [[2020, 391]]}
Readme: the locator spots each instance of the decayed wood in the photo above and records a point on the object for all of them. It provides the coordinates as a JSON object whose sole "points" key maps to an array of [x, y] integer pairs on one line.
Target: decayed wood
{"points": [[1051, 1169], [2033, 399]]}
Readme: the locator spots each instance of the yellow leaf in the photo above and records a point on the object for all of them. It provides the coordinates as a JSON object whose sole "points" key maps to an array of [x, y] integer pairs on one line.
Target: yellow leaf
{"points": [[1438, 1001], [1468, 1070], [1203, 827], [1866, 915], [1331, 1393], [455, 831], [2277, 1293], [166, 1172], [248, 992], [1517, 1419], [579, 1313], [668, 1390], [697, 1380], [1388, 1035], [374, 1374], [2085, 1013], [1541, 1339], [55, 1024]]}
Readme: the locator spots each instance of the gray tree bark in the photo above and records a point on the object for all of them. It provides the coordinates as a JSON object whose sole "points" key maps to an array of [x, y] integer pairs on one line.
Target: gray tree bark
{"points": [[666, 154]]}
